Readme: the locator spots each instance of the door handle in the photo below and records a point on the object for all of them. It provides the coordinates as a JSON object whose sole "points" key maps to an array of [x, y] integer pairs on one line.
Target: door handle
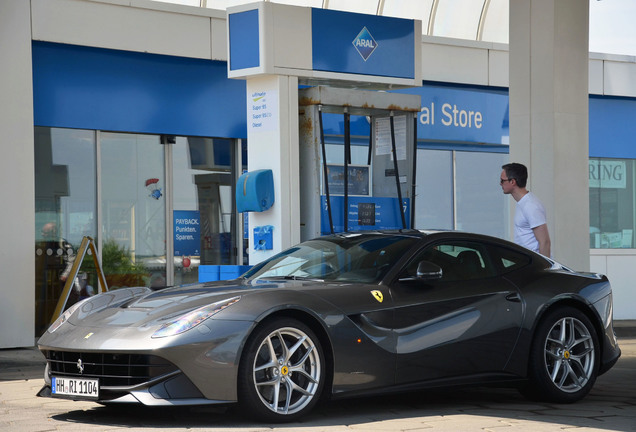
{"points": [[514, 297]]}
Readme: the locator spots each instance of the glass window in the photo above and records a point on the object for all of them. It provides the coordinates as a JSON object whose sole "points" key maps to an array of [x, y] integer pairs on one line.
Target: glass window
{"points": [[335, 154], [134, 201], [65, 212], [458, 261], [434, 190], [453, 192], [481, 206], [508, 260], [341, 258], [612, 200], [133, 210]]}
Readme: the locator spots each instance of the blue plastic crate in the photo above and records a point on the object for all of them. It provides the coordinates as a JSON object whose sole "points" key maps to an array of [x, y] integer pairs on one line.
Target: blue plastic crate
{"points": [[227, 272], [209, 273]]}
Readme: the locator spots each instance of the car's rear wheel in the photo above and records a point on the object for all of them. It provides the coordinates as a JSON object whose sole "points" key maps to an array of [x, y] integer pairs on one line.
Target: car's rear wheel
{"points": [[564, 357], [281, 374]]}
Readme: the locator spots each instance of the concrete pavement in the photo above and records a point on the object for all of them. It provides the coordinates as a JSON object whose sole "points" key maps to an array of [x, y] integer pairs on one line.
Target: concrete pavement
{"points": [[611, 406]]}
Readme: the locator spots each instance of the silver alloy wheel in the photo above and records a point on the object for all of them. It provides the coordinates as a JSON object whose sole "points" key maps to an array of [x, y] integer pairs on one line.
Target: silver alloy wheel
{"points": [[569, 354], [287, 370]]}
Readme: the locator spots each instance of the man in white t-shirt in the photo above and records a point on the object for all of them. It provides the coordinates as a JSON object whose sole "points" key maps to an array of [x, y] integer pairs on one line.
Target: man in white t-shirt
{"points": [[531, 228]]}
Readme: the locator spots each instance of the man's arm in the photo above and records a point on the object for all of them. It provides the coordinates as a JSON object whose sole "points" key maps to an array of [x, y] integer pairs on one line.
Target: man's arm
{"points": [[543, 237]]}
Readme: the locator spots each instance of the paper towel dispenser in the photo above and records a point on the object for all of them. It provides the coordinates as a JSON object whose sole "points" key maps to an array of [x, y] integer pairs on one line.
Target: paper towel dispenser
{"points": [[255, 191]]}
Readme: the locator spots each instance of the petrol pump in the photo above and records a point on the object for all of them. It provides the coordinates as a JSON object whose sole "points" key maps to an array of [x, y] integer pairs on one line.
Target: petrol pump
{"points": [[313, 61], [355, 183]]}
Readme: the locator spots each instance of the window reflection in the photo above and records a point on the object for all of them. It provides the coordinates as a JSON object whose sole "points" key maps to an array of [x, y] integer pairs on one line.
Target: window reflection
{"points": [[612, 198], [65, 212]]}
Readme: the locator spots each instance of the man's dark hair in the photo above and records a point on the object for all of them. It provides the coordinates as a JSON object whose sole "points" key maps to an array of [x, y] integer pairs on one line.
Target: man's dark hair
{"points": [[517, 171]]}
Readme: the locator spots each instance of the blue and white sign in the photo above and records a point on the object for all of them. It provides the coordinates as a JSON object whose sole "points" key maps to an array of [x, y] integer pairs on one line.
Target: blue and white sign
{"points": [[187, 233], [364, 213], [462, 114], [261, 108], [364, 43], [457, 114], [266, 38], [346, 42]]}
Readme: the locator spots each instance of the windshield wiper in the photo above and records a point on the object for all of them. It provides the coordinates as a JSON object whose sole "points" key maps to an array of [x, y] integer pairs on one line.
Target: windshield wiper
{"points": [[292, 277]]}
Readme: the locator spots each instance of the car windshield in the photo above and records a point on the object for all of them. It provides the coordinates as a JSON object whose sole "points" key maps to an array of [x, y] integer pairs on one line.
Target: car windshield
{"points": [[342, 258]]}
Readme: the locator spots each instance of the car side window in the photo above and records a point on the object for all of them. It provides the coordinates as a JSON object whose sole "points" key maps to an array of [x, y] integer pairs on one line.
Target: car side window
{"points": [[508, 260], [458, 260]]}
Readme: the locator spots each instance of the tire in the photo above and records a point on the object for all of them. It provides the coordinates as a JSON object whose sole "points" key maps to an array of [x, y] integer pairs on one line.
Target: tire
{"points": [[282, 371], [564, 357]]}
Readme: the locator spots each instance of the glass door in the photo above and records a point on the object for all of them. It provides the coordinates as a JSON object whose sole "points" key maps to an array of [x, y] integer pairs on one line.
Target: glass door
{"points": [[133, 209], [203, 205]]}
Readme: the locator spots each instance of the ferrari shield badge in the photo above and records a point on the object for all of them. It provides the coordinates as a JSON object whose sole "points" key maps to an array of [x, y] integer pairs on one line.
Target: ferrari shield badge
{"points": [[377, 295]]}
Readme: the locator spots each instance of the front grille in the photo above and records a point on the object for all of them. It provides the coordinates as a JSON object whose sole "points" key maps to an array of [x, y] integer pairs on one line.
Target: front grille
{"points": [[112, 369]]}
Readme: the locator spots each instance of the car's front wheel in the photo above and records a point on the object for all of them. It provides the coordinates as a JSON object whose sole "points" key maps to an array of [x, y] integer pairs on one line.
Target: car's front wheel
{"points": [[564, 357], [282, 372]]}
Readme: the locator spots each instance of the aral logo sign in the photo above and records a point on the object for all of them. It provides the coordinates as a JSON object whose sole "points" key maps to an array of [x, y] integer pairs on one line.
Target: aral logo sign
{"points": [[365, 44]]}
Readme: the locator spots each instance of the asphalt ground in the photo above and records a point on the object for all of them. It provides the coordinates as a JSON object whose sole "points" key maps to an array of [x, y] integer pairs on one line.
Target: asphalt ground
{"points": [[611, 406]]}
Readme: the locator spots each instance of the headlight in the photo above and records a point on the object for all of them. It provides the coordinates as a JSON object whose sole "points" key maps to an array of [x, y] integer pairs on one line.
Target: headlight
{"points": [[193, 319], [65, 316]]}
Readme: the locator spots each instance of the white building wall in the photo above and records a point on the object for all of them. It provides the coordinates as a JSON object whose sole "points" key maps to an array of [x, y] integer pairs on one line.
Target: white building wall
{"points": [[137, 25], [464, 62], [17, 218], [163, 28]]}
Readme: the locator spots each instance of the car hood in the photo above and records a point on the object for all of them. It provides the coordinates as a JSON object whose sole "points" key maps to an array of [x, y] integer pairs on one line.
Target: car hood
{"points": [[142, 307]]}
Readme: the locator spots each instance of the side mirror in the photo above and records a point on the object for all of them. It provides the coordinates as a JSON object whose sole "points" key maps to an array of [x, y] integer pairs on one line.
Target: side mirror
{"points": [[426, 270]]}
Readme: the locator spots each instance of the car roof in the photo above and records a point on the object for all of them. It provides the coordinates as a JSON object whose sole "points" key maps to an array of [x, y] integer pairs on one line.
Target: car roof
{"points": [[436, 233]]}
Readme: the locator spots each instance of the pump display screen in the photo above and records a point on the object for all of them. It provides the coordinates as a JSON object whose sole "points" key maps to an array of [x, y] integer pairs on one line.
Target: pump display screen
{"points": [[363, 213], [366, 213]]}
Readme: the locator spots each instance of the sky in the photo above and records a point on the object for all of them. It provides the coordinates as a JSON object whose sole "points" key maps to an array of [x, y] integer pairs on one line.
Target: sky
{"points": [[613, 26]]}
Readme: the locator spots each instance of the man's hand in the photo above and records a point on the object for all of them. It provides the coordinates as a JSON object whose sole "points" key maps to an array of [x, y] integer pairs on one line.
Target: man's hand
{"points": [[543, 237]]}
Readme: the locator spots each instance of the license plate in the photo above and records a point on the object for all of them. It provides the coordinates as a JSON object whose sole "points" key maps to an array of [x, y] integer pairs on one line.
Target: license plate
{"points": [[78, 387]]}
